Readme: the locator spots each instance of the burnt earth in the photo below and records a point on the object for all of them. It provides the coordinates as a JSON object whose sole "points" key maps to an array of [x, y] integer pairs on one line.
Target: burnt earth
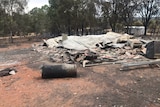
{"points": [[98, 86]]}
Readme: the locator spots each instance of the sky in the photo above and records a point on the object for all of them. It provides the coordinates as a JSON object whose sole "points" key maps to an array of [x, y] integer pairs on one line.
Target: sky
{"points": [[36, 3]]}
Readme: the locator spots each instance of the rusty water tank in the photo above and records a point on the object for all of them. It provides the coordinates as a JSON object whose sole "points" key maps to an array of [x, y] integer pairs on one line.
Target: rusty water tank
{"points": [[59, 71]]}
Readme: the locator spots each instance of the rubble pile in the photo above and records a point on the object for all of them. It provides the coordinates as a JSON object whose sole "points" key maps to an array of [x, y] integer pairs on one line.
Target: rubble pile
{"points": [[110, 47]]}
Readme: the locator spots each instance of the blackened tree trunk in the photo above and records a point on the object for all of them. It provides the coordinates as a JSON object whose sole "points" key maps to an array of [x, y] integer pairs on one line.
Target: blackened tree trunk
{"points": [[113, 26], [77, 32], [145, 29], [82, 28]]}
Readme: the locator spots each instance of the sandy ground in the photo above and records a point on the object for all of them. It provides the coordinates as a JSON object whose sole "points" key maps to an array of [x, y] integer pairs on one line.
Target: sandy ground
{"points": [[98, 86]]}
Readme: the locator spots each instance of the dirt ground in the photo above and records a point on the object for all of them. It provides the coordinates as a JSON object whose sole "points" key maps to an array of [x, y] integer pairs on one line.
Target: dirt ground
{"points": [[98, 86]]}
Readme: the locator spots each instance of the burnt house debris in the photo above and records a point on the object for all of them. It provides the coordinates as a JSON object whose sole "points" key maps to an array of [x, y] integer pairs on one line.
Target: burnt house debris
{"points": [[7, 72], [99, 49]]}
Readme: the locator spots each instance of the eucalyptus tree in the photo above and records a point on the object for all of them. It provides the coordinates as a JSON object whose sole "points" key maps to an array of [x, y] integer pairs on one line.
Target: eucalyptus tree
{"points": [[54, 16], [39, 21], [92, 13], [147, 10], [2, 21], [11, 7], [105, 11], [128, 11], [111, 10], [60, 14], [71, 15]]}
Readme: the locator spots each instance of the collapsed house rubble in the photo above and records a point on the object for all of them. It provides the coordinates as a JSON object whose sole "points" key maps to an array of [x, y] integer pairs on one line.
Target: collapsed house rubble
{"points": [[94, 49]]}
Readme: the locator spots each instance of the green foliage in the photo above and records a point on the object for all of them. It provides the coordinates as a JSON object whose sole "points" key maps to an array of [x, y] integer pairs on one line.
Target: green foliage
{"points": [[71, 15], [10, 9], [39, 20], [77, 17], [119, 12]]}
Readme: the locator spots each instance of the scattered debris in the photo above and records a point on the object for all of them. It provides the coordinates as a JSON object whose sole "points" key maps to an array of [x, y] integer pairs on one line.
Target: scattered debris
{"points": [[135, 43], [8, 63], [93, 50], [7, 71], [127, 66]]}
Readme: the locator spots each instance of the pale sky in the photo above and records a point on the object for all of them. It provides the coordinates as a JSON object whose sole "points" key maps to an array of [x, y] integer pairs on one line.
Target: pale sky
{"points": [[36, 3]]}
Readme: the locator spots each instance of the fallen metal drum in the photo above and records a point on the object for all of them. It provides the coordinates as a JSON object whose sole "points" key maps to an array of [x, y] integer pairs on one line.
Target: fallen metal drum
{"points": [[59, 71]]}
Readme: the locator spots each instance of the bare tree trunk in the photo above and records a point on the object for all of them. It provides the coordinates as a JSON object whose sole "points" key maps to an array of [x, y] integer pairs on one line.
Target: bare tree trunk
{"points": [[11, 23], [145, 30], [82, 28], [77, 33], [11, 37], [11, 32], [114, 28]]}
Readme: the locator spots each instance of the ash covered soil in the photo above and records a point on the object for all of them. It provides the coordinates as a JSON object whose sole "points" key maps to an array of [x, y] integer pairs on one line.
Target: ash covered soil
{"points": [[98, 86]]}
